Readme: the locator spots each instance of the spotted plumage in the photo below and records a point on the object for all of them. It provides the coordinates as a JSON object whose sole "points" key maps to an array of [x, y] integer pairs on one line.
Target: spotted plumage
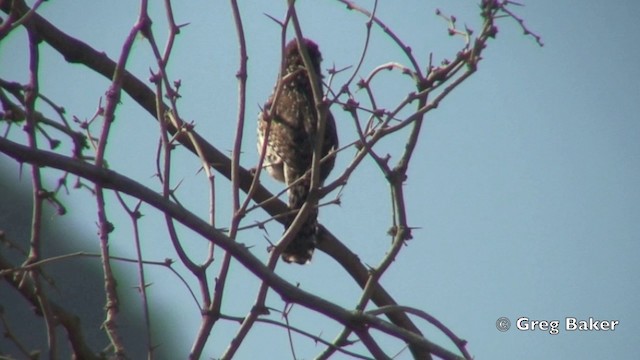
{"points": [[291, 140]]}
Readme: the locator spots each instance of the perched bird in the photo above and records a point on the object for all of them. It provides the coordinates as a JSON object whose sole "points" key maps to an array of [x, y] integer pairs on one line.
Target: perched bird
{"points": [[291, 141]]}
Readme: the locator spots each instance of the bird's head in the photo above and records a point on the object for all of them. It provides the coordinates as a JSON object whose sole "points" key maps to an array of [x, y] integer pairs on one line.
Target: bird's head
{"points": [[293, 59]]}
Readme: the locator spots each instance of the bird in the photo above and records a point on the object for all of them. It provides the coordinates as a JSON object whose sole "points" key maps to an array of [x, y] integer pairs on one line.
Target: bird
{"points": [[291, 142]]}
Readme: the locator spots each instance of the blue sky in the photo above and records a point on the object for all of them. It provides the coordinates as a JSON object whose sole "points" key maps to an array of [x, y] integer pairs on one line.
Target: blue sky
{"points": [[523, 187]]}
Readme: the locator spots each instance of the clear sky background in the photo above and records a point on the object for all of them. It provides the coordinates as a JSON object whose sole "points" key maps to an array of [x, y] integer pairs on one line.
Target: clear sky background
{"points": [[524, 186]]}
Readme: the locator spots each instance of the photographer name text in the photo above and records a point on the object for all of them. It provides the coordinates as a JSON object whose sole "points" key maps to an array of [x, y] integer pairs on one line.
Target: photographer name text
{"points": [[570, 324]]}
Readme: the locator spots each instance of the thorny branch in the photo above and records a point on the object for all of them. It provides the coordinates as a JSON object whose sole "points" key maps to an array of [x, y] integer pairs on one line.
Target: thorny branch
{"points": [[371, 123], [105, 227], [289, 292]]}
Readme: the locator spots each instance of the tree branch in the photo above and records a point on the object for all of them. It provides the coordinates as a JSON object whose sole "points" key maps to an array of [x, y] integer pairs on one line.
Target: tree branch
{"points": [[110, 179]]}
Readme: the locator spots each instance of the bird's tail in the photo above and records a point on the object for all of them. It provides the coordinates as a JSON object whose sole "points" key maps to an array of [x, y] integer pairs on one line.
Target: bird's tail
{"points": [[300, 249]]}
